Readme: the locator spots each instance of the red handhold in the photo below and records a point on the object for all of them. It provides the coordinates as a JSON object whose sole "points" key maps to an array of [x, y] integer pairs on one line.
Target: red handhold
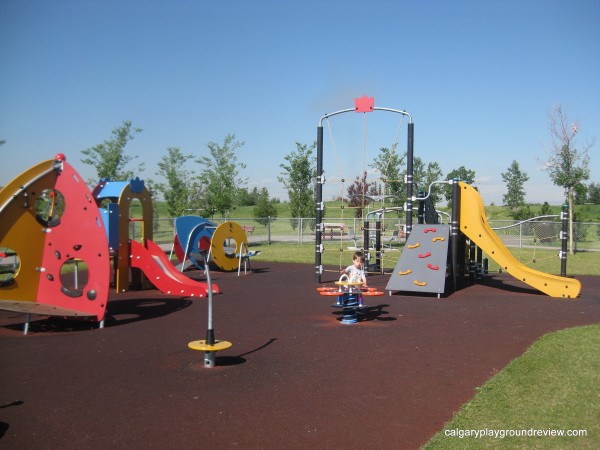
{"points": [[425, 255], [427, 230], [432, 267]]}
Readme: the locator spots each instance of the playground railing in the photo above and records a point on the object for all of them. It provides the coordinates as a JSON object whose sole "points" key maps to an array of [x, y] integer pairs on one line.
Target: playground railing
{"points": [[349, 231]]}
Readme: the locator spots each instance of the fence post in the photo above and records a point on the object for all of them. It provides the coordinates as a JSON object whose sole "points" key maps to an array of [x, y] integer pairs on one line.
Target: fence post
{"points": [[269, 230]]}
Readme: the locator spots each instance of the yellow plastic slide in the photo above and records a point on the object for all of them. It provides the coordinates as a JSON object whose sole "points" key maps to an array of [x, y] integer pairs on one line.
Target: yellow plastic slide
{"points": [[474, 225]]}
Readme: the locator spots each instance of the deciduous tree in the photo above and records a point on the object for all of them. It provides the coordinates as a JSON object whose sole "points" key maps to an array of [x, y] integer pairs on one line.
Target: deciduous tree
{"points": [[299, 178], [219, 177], [567, 165], [109, 158], [514, 178], [180, 190]]}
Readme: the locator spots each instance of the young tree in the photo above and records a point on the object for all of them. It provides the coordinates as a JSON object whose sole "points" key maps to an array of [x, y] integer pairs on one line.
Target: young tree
{"points": [[514, 179], [545, 210], [109, 158], [594, 193], [360, 194], [265, 208], [299, 178], [219, 176], [424, 176], [567, 166], [180, 190], [392, 167], [462, 174]]}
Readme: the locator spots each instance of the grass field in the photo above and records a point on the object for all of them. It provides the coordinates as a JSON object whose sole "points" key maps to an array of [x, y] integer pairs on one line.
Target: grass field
{"points": [[582, 263], [553, 386]]}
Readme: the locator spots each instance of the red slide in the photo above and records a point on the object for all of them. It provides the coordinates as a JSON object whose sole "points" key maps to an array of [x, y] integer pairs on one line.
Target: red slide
{"points": [[163, 274]]}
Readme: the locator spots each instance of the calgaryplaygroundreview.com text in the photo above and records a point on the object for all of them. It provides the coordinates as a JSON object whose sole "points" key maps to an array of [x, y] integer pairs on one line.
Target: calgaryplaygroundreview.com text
{"points": [[501, 434]]}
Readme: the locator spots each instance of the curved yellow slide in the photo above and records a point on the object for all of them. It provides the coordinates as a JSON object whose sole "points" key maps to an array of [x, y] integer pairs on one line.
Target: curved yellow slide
{"points": [[474, 225]]}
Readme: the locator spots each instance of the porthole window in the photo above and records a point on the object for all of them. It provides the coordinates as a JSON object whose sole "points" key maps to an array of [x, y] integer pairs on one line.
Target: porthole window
{"points": [[73, 277], [9, 265], [49, 207]]}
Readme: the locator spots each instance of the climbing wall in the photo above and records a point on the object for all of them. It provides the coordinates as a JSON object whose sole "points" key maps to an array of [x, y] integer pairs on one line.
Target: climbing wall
{"points": [[422, 265]]}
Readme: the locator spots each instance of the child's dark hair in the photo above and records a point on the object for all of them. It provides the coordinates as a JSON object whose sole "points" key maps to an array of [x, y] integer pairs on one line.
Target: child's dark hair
{"points": [[358, 255]]}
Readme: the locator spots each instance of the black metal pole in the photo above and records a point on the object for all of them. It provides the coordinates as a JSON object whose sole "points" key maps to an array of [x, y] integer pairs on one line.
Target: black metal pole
{"points": [[564, 216], [319, 206], [409, 177], [378, 245], [454, 232]]}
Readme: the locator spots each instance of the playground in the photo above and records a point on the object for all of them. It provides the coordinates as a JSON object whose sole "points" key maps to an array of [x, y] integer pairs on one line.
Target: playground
{"points": [[295, 377], [99, 326]]}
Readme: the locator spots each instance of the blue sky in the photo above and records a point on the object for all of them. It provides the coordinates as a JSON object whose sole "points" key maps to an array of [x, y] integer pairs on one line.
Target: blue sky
{"points": [[478, 77]]}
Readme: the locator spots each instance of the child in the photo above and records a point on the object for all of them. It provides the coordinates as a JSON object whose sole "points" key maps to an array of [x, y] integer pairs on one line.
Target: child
{"points": [[355, 272]]}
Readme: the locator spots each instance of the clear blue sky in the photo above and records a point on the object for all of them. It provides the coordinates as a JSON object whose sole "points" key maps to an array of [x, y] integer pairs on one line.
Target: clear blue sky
{"points": [[478, 77]]}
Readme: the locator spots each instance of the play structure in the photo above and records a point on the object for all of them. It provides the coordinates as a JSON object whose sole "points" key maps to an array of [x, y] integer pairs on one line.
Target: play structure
{"points": [[54, 252], [349, 298], [441, 258], [58, 239], [226, 244], [372, 231]]}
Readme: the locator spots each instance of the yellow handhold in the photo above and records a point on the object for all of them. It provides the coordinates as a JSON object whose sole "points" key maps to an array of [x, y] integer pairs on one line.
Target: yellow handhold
{"points": [[414, 245], [420, 283], [405, 272], [438, 239]]}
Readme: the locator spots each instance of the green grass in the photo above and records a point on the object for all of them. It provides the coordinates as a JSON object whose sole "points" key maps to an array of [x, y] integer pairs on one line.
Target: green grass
{"points": [[582, 263], [583, 213], [554, 385]]}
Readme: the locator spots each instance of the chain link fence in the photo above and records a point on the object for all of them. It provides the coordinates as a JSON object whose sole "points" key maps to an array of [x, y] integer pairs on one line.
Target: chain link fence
{"points": [[543, 233]]}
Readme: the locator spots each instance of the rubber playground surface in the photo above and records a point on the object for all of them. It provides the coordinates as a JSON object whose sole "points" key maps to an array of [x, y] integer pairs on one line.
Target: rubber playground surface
{"points": [[295, 377]]}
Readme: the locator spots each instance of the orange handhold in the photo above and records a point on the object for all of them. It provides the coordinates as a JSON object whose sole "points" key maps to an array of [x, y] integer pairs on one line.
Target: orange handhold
{"points": [[437, 239], [405, 272], [414, 245], [420, 283]]}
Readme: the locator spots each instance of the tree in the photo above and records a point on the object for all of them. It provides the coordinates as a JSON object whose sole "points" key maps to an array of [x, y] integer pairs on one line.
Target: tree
{"points": [[265, 208], [424, 176], [219, 176], [391, 166], [109, 158], [359, 193], [462, 174], [514, 179], [594, 193], [545, 210], [181, 188], [567, 166], [299, 178]]}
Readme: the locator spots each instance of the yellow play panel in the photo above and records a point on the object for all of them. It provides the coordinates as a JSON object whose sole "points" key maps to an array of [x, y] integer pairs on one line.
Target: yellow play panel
{"points": [[204, 347]]}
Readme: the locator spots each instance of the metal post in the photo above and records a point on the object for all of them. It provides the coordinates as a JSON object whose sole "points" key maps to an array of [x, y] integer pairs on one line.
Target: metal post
{"points": [[454, 232], [378, 245], [209, 357], [319, 205], [564, 216], [409, 177]]}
